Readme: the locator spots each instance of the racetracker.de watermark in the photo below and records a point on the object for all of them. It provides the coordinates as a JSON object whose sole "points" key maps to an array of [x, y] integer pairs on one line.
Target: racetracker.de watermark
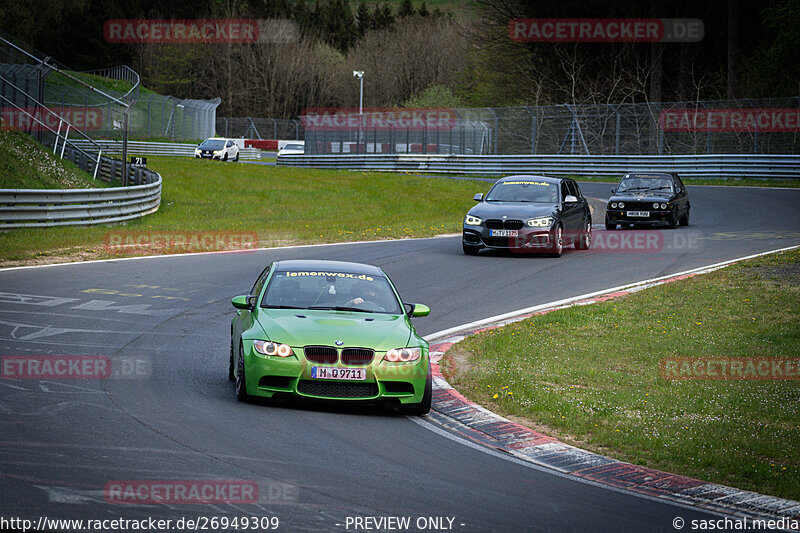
{"points": [[161, 242], [380, 119], [74, 367], [194, 491], [730, 120], [615, 241], [36, 118], [730, 368], [594, 30], [181, 31]]}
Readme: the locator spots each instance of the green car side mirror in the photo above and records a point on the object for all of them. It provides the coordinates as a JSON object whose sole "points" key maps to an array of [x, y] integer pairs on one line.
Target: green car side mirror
{"points": [[419, 310], [241, 302]]}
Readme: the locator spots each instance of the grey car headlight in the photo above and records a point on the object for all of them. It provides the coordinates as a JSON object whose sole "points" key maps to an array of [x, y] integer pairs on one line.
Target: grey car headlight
{"points": [[540, 222], [472, 221]]}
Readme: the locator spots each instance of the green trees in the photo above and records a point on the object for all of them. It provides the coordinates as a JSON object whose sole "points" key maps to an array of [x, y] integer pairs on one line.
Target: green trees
{"points": [[412, 53]]}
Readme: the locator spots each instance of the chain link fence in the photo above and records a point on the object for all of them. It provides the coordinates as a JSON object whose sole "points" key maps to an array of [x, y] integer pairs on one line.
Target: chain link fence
{"points": [[95, 102], [745, 126], [259, 128], [748, 126], [151, 116], [392, 131]]}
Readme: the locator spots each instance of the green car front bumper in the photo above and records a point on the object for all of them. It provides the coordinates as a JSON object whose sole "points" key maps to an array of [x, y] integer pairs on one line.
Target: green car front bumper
{"points": [[383, 382]]}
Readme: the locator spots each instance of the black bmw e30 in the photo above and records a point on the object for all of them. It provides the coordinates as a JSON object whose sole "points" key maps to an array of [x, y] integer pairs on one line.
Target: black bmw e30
{"points": [[648, 198], [529, 214]]}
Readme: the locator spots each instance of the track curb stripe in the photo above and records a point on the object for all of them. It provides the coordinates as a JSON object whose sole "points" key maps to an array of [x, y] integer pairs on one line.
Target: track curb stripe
{"points": [[474, 422]]}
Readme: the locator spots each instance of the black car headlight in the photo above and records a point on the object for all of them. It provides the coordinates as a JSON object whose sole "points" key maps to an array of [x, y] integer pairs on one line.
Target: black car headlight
{"points": [[621, 204], [470, 220], [664, 206], [613, 205], [540, 222]]}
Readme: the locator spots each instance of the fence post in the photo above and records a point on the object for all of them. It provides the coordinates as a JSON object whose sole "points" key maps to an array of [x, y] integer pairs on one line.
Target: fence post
{"points": [[452, 127], [424, 134], [97, 164], [496, 128], [533, 129]]}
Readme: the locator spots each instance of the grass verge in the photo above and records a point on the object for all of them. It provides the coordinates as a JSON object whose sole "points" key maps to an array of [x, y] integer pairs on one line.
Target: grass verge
{"points": [[283, 205], [590, 376], [25, 164]]}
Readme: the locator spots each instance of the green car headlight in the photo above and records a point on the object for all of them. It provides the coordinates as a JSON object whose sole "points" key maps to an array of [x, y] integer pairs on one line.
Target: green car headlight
{"points": [[472, 221], [272, 348], [541, 222], [403, 355]]}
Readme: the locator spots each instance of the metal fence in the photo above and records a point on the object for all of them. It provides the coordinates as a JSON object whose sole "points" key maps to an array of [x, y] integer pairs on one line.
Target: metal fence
{"points": [[698, 127], [259, 128], [100, 98], [459, 134], [153, 115], [24, 77], [745, 126]]}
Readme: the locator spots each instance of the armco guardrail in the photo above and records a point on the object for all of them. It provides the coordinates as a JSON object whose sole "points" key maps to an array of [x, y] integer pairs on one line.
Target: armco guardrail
{"points": [[32, 208], [38, 208], [170, 149], [705, 166]]}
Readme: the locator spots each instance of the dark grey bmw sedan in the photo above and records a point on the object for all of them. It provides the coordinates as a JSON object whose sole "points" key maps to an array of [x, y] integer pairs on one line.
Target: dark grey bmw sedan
{"points": [[529, 214]]}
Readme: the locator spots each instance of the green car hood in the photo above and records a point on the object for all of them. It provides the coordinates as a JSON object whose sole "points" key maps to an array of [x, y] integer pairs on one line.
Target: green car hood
{"points": [[303, 327]]}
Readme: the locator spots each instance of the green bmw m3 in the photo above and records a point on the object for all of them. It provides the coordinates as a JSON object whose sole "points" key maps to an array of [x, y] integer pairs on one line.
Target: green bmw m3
{"points": [[329, 330]]}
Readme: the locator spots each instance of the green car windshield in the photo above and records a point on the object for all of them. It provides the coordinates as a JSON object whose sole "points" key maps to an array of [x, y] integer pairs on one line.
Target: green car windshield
{"points": [[523, 191], [340, 291]]}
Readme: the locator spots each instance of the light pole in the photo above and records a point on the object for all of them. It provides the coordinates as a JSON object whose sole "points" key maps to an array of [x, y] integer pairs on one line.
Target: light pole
{"points": [[360, 75]]}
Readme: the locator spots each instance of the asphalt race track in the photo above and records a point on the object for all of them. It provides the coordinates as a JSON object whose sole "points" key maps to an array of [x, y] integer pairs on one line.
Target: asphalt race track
{"points": [[63, 441]]}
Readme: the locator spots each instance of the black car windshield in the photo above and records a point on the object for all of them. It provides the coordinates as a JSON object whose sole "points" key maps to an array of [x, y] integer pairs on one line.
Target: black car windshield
{"points": [[212, 144], [329, 290], [523, 190], [640, 183]]}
